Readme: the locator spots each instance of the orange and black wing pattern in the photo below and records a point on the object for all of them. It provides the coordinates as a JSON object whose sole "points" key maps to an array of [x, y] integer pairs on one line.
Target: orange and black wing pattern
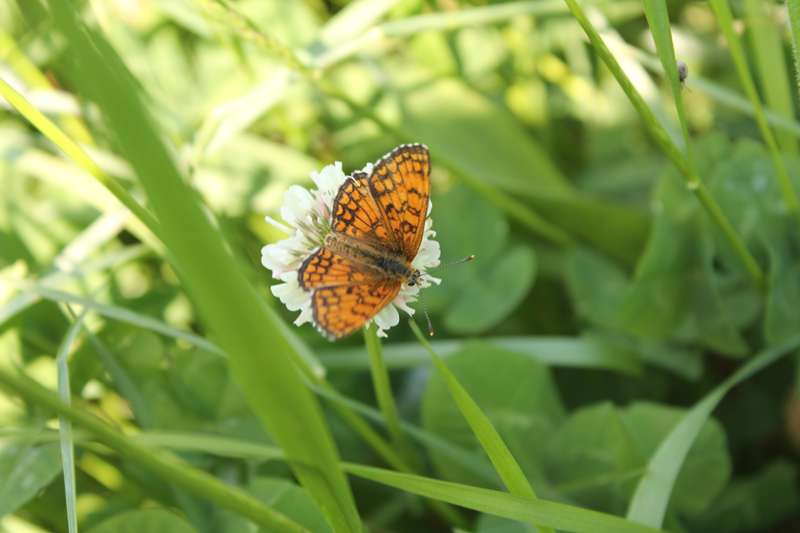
{"points": [[356, 215], [340, 310], [327, 268], [345, 293], [400, 186]]}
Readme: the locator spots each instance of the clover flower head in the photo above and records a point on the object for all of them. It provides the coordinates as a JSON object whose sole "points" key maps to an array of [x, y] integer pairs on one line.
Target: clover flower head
{"points": [[308, 215]]}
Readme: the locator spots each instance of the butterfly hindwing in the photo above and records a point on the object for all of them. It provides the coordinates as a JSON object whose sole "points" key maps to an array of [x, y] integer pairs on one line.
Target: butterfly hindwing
{"points": [[341, 309], [400, 186], [325, 268]]}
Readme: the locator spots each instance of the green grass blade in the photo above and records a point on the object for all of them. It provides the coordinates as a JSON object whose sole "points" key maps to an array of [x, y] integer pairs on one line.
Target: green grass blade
{"points": [[793, 7], [649, 503], [662, 138], [658, 19], [262, 359], [192, 480], [112, 311], [767, 52], [65, 426], [74, 152], [528, 510], [505, 464], [725, 19], [383, 393], [568, 352]]}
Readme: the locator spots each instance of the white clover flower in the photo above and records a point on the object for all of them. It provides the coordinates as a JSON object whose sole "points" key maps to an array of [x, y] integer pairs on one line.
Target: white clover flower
{"points": [[308, 215]]}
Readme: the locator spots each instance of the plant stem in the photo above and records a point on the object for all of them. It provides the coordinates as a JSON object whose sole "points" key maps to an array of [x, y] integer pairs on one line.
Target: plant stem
{"points": [[383, 392]]}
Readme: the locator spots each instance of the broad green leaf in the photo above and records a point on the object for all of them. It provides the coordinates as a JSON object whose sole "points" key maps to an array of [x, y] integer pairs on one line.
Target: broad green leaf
{"points": [[515, 392], [24, 471], [594, 459], [755, 503], [494, 294], [653, 492], [150, 520], [598, 455], [597, 286], [707, 468], [226, 301]]}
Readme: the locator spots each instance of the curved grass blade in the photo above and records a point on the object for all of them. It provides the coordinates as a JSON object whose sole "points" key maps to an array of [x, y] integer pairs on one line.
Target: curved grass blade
{"points": [[490, 439], [192, 480], [74, 152], [649, 503], [65, 426], [528, 510], [262, 358]]}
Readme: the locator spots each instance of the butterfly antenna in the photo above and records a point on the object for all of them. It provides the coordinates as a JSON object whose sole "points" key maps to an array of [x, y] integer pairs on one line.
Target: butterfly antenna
{"points": [[451, 264], [425, 308]]}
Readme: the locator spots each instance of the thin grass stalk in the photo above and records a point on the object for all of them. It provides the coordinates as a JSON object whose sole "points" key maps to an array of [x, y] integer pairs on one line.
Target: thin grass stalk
{"points": [[502, 459], [192, 480], [658, 19], [383, 393], [725, 20], [793, 7], [766, 44], [661, 137], [65, 425], [74, 152]]}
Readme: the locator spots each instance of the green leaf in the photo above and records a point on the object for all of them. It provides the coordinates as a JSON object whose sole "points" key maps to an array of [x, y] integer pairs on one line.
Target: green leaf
{"points": [[24, 471], [515, 392], [597, 456], [594, 459], [755, 503], [707, 467], [493, 295], [150, 520], [653, 492]]}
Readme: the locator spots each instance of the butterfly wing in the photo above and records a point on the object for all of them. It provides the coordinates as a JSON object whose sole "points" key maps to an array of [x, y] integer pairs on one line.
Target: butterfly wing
{"points": [[356, 214], [341, 309], [345, 293], [400, 186]]}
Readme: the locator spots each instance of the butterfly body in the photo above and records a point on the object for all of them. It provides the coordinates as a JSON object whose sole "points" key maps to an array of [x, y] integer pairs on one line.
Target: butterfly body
{"points": [[377, 224]]}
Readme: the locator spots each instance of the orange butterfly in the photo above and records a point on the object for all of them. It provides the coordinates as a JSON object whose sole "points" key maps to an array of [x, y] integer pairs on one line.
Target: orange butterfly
{"points": [[377, 224]]}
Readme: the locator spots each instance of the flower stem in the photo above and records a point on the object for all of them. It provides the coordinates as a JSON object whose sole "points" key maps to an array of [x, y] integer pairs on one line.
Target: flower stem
{"points": [[383, 392]]}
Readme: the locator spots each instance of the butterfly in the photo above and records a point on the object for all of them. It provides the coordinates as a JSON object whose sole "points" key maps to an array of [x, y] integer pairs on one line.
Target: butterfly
{"points": [[377, 224]]}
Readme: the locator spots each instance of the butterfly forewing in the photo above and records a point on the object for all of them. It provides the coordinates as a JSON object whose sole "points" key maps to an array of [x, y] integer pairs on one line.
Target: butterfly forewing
{"points": [[400, 186], [356, 215]]}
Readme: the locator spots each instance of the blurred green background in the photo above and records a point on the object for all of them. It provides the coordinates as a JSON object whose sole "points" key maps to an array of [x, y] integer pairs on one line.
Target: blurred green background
{"points": [[603, 301]]}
